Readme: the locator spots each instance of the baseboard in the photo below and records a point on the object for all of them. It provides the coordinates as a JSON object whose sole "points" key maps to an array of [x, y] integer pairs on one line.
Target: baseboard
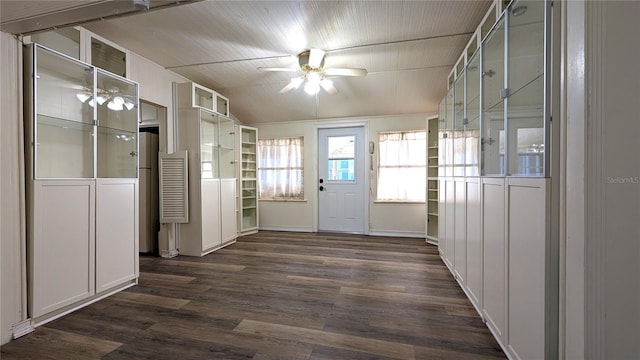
{"points": [[169, 253], [21, 328], [406, 234], [287, 228], [46, 318]]}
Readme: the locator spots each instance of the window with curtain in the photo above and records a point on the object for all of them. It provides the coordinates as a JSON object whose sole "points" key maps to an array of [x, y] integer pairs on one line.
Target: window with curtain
{"points": [[402, 166], [280, 169]]}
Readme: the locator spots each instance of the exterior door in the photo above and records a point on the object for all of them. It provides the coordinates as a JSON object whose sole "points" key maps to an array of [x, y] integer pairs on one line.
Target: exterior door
{"points": [[341, 180]]}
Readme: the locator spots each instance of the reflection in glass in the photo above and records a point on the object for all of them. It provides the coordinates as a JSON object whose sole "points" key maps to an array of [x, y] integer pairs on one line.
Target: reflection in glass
{"points": [[117, 101], [63, 87], [526, 131], [442, 115], [447, 136], [117, 153], [525, 116], [64, 123], [65, 40], [492, 143], [472, 129], [341, 155], [227, 146], [208, 146], [64, 149], [459, 123]]}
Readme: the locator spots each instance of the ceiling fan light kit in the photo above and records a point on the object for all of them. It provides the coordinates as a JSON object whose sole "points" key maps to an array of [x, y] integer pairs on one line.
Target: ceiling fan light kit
{"points": [[311, 64]]}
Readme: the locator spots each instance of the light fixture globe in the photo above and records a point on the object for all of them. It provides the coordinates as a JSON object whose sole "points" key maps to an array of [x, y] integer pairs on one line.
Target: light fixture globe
{"points": [[311, 88]]}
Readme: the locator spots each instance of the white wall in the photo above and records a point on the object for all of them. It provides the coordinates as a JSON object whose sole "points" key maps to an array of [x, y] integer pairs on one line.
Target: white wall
{"points": [[12, 214], [603, 178], [385, 218], [156, 87]]}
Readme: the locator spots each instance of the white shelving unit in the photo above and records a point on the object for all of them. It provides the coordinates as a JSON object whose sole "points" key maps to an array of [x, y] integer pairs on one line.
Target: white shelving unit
{"points": [[432, 180], [247, 179]]}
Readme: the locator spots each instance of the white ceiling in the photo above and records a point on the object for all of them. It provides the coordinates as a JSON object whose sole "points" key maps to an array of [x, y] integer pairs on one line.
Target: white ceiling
{"points": [[408, 48]]}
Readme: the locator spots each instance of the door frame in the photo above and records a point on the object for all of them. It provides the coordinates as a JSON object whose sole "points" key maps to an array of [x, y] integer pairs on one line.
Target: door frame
{"points": [[367, 163]]}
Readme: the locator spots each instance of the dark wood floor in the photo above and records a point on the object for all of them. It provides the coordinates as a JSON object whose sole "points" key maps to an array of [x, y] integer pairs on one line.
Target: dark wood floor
{"points": [[277, 295]]}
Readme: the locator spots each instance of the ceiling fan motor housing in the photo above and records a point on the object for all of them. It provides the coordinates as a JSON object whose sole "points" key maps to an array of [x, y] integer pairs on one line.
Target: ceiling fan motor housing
{"points": [[303, 61]]}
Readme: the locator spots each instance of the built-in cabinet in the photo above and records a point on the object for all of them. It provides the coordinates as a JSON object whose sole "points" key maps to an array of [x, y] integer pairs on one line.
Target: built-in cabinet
{"points": [[209, 139], [195, 95], [81, 145], [247, 179], [495, 178], [432, 179]]}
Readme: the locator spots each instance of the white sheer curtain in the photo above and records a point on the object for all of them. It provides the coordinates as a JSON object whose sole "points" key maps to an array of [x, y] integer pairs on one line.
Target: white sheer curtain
{"points": [[280, 169], [402, 166]]}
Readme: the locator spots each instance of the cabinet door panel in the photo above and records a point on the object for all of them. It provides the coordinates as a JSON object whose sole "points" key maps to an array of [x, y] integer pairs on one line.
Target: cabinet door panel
{"points": [[474, 240], [228, 209], [210, 214], [116, 232], [494, 255], [62, 245]]}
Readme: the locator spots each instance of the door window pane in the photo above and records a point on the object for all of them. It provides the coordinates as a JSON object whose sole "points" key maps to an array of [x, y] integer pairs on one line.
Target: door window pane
{"points": [[341, 153]]}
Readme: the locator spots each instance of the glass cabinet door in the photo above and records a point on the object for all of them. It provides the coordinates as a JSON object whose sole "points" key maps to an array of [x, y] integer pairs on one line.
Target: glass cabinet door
{"points": [[442, 118], [227, 147], [525, 115], [492, 141], [458, 126], [472, 128], [447, 136], [64, 126], [117, 108], [208, 145]]}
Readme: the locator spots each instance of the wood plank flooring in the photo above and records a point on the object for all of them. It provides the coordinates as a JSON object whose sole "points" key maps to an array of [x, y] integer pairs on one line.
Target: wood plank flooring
{"points": [[278, 295]]}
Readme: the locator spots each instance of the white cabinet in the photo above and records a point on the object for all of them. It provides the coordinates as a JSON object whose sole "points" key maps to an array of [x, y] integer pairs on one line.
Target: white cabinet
{"points": [[247, 176], [209, 139], [196, 95], [82, 187]]}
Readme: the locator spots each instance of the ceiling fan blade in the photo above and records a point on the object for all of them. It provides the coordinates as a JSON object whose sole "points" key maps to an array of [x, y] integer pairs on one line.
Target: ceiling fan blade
{"points": [[278, 69], [315, 58], [327, 85], [295, 82], [345, 72]]}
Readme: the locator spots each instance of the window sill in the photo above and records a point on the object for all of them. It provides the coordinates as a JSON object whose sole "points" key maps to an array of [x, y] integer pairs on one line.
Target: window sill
{"points": [[399, 202], [283, 200]]}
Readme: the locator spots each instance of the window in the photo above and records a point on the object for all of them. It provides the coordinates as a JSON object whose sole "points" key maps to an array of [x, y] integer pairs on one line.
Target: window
{"points": [[402, 166], [280, 169]]}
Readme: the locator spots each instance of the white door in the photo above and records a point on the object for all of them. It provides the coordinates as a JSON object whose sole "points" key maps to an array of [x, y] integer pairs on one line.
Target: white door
{"points": [[341, 180]]}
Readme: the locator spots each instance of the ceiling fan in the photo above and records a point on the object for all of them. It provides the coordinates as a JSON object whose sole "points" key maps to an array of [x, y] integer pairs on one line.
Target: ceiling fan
{"points": [[311, 64]]}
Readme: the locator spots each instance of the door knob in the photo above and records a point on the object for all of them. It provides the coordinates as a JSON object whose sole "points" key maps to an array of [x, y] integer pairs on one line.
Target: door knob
{"points": [[321, 188]]}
